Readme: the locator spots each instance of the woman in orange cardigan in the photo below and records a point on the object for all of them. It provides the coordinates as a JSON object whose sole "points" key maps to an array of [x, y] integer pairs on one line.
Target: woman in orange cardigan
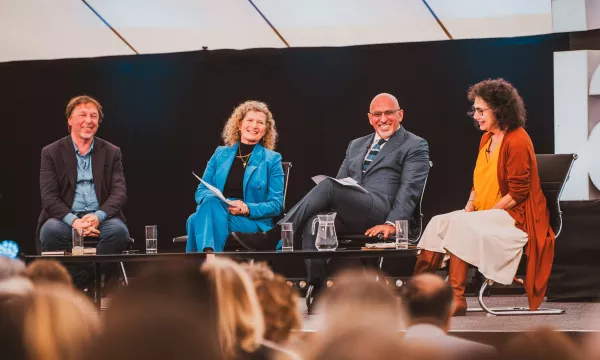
{"points": [[506, 209]]}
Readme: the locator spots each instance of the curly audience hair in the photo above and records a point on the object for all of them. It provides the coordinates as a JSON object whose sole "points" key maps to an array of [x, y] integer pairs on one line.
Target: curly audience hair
{"points": [[504, 100], [48, 270], [277, 300], [239, 318], [231, 133]]}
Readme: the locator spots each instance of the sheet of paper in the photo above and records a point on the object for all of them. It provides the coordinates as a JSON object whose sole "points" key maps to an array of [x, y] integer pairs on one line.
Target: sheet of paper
{"points": [[214, 190], [345, 181]]}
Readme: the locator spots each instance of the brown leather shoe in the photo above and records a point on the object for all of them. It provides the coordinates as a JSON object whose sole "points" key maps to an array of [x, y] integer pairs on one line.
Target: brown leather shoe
{"points": [[428, 262], [458, 281]]}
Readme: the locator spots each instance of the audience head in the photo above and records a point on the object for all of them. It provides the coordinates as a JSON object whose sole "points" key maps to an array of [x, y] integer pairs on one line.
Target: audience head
{"points": [[427, 298], [10, 267], [368, 341], [543, 343], [239, 317], [48, 271], [496, 105], [167, 313], [60, 323], [13, 308], [385, 115], [84, 115], [358, 296], [277, 300], [251, 122]]}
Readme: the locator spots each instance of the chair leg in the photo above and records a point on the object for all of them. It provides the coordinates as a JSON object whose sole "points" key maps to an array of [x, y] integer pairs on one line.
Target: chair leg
{"points": [[308, 298], [506, 311], [123, 273]]}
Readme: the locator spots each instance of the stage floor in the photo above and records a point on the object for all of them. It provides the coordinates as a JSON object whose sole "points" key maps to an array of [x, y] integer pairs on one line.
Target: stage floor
{"points": [[579, 317]]}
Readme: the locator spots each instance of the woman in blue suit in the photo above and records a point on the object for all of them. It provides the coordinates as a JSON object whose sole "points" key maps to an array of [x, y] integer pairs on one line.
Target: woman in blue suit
{"points": [[248, 172]]}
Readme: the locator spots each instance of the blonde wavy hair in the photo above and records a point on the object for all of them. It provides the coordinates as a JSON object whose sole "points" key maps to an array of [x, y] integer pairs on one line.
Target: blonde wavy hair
{"points": [[231, 133], [239, 316], [59, 324]]}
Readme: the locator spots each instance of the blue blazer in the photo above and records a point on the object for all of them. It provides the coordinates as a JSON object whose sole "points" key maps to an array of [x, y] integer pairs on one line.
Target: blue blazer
{"points": [[263, 181]]}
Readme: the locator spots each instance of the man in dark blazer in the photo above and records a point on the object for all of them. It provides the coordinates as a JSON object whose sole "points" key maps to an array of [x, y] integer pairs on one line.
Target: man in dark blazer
{"points": [[392, 165], [82, 186]]}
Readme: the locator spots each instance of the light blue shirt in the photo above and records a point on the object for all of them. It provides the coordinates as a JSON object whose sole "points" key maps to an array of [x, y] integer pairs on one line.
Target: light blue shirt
{"points": [[85, 194]]}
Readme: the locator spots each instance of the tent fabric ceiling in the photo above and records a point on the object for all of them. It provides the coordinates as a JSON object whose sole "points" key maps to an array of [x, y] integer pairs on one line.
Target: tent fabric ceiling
{"points": [[41, 29]]}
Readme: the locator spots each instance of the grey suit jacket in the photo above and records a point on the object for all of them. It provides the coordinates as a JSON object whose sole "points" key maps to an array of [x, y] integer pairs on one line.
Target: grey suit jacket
{"points": [[395, 178]]}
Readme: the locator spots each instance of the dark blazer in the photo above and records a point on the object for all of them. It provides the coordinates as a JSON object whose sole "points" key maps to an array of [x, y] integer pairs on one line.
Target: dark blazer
{"points": [[395, 178], [58, 178]]}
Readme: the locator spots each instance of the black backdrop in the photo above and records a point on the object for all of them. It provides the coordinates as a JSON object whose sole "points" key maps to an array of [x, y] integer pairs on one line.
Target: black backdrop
{"points": [[166, 113]]}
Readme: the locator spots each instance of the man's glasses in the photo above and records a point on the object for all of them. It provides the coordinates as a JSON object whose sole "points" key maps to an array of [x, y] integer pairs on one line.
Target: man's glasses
{"points": [[476, 110], [387, 113]]}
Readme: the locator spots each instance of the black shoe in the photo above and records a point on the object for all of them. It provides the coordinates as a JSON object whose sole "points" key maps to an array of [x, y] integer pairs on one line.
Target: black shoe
{"points": [[253, 241]]}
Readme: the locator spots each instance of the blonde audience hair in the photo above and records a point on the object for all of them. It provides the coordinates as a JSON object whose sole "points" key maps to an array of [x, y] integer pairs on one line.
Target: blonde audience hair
{"points": [[277, 300], [239, 318], [60, 323], [48, 271], [231, 131]]}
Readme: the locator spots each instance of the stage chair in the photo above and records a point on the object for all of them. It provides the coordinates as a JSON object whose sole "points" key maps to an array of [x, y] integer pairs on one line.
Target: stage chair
{"points": [[231, 244], [93, 242], [554, 172], [359, 240]]}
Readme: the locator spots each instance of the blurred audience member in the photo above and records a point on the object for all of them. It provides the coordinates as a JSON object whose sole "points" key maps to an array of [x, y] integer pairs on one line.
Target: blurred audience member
{"points": [[365, 342], [10, 267], [277, 300], [59, 324], [543, 343], [359, 297], [239, 317], [13, 308], [167, 313], [427, 302], [48, 271]]}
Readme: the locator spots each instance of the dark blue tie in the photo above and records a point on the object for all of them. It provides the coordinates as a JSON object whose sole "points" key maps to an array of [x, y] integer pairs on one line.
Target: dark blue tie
{"points": [[372, 153]]}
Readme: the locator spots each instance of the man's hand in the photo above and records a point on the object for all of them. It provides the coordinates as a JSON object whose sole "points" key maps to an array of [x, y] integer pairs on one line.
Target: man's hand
{"points": [[91, 219], [238, 208], [385, 230]]}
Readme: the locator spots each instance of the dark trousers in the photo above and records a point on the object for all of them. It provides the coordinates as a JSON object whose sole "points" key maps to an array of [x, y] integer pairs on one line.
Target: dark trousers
{"points": [[356, 212], [56, 235]]}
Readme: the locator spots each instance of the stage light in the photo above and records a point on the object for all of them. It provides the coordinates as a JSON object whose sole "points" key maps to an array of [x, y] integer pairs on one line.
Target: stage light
{"points": [[302, 284], [9, 248], [399, 283]]}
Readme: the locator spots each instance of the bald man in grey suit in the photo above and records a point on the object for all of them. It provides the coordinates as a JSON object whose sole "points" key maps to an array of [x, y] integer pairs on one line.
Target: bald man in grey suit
{"points": [[392, 165]]}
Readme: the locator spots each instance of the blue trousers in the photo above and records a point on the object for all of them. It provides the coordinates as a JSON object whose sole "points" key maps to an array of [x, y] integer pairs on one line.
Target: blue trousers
{"points": [[56, 235], [211, 224]]}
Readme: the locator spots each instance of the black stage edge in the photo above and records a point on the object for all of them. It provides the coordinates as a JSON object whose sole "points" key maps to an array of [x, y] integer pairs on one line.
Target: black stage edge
{"points": [[577, 254]]}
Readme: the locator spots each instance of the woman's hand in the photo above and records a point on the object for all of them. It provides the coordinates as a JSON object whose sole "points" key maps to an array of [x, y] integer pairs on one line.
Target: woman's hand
{"points": [[470, 207], [238, 208]]}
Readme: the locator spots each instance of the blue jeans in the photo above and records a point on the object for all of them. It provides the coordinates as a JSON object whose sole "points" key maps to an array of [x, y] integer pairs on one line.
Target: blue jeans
{"points": [[211, 224], [56, 235]]}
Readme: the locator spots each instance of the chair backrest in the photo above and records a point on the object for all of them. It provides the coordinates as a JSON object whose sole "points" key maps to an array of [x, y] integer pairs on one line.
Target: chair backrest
{"points": [[417, 230], [554, 172], [286, 177]]}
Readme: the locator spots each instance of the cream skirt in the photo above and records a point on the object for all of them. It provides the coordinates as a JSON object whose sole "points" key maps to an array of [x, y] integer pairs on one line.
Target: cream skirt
{"points": [[486, 239]]}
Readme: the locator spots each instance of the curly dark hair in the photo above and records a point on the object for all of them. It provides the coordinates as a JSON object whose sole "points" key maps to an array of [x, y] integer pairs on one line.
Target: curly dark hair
{"points": [[504, 100]]}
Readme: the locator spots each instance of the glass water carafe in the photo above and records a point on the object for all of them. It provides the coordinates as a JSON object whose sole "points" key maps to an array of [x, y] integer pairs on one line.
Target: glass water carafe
{"points": [[326, 238]]}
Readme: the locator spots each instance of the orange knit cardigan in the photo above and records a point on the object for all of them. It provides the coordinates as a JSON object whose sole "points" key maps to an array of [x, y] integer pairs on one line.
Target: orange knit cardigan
{"points": [[518, 176]]}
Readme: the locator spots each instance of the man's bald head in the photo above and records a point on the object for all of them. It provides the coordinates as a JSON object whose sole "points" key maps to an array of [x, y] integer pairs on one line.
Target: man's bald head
{"points": [[384, 96], [427, 298]]}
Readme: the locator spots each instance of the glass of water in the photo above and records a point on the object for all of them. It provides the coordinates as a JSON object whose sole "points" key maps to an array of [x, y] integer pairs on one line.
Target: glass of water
{"points": [[77, 236], [287, 237], [401, 234], [151, 239]]}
